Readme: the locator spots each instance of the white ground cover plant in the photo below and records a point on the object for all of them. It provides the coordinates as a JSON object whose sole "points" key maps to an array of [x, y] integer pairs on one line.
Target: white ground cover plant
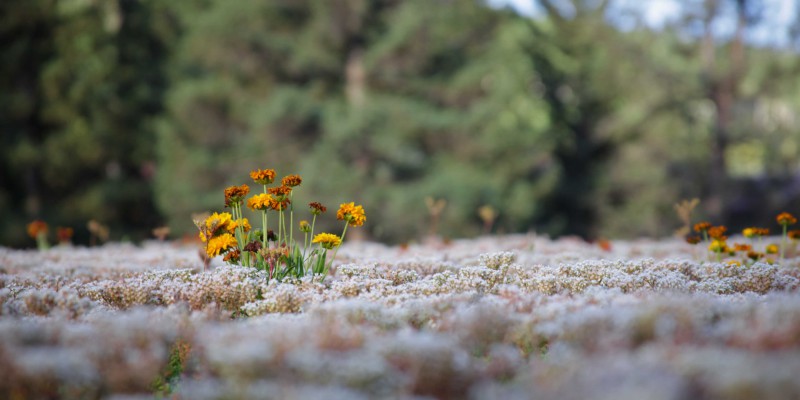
{"points": [[512, 317]]}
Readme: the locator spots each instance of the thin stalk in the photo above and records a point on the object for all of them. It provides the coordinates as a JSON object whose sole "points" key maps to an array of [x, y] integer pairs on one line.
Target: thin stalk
{"points": [[336, 250], [783, 241], [291, 218]]}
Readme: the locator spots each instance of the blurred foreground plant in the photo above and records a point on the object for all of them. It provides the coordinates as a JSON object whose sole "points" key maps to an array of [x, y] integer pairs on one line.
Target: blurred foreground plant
{"points": [[231, 235]]}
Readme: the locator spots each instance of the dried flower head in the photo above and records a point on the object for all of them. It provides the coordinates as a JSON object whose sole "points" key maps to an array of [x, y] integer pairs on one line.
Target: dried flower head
{"points": [[263, 176], [353, 214], [291, 180], [317, 208], [305, 227], [260, 202], [232, 256], [271, 237], [253, 246], [327, 240], [754, 255], [220, 244], [37, 228], [702, 226], [785, 218], [235, 194]]}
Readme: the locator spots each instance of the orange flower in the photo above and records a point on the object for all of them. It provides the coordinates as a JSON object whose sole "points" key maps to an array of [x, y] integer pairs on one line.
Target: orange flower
{"points": [[717, 232], [794, 235], [243, 222], [693, 239], [291, 180], [353, 214], [280, 192], [753, 255], [235, 194], [772, 249], [785, 218], [742, 247], [279, 205], [232, 256], [37, 228], [702, 226], [263, 177]]}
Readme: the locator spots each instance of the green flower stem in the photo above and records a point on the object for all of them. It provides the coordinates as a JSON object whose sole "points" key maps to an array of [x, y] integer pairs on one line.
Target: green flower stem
{"points": [[783, 241], [336, 250], [291, 219], [41, 241], [264, 228]]}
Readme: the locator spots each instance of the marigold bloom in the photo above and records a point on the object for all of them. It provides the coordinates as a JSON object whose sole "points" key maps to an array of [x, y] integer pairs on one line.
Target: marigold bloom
{"points": [[305, 226], [37, 228], [317, 208], [327, 240], [742, 247], [279, 204], [260, 202], [291, 180], [794, 235], [220, 244], [750, 232], [762, 231], [353, 214], [236, 194], [785, 218], [702, 226], [280, 192], [263, 177], [754, 255], [717, 232], [772, 249]]}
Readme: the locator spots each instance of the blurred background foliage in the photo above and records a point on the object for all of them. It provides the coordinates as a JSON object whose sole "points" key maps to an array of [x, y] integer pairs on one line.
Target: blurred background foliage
{"points": [[138, 113]]}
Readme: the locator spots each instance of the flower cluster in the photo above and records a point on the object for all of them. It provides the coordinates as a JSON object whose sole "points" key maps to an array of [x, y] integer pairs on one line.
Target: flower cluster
{"points": [[717, 241], [280, 255]]}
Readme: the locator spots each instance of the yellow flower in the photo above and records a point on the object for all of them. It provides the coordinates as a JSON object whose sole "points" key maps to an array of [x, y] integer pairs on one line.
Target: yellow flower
{"points": [[717, 246], [785, 218], [750, 232], [263, 177], [734, 263], [772, 249], [353, 214], [220, 244], [218, 221], [327, 240], [260, 201], [243, 222], [305, 226]]}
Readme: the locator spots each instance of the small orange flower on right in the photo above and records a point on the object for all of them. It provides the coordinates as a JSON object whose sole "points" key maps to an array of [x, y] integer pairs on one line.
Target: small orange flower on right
{"points": [[785, 218], [353, 214]]}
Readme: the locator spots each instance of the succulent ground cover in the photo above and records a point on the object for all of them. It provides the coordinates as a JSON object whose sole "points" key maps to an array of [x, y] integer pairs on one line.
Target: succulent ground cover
{"points": [[512, 317]]}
